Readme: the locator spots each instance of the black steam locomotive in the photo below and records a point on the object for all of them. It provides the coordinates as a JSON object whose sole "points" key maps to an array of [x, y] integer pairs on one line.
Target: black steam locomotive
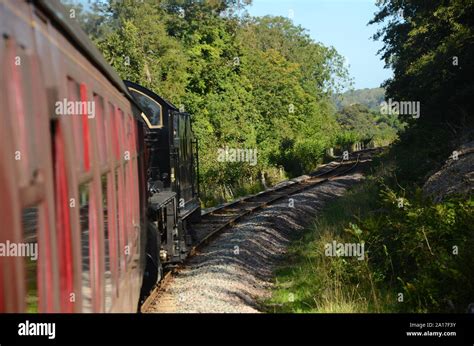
{"points": [[173, 170]]}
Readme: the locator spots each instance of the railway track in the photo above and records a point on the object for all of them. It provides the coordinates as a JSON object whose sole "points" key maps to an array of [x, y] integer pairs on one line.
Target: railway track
{"points": [[215, 220]]}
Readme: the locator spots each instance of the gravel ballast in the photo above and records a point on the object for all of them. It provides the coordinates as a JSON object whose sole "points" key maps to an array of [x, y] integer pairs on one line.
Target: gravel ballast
{"points": [[235, 270]]}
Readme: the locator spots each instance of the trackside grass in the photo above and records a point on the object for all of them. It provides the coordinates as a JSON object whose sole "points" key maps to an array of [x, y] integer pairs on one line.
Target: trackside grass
{"points": [[417, 255]]}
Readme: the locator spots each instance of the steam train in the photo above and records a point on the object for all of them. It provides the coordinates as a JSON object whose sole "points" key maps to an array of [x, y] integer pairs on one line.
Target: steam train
{"points": [[98, 177]]}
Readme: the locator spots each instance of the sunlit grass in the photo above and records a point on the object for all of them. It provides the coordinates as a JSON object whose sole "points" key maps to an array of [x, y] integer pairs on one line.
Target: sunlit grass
{"points": [[409, 264], [312, 282]]}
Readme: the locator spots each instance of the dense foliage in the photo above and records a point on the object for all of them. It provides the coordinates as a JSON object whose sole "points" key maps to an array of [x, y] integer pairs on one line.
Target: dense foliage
{"points": [[364, 125], [429, 45], [249, 83], [369, 97], [417, 256]]}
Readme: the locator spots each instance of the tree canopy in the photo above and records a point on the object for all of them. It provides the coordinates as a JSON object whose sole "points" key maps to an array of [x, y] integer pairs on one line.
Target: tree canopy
{"points": [[429, 45]]}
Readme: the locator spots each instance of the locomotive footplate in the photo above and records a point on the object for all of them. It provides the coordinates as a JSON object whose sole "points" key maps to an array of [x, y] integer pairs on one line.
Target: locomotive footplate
{"points": [[158, 200], [162, 212]]}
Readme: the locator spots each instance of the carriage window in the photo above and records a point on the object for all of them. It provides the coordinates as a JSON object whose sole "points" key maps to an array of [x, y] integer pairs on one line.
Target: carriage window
{"points": [[120, 221], [30, 229], [113, 128], [107, 247], [101, 128], [151, 107], [84, 197], [73, 94]]}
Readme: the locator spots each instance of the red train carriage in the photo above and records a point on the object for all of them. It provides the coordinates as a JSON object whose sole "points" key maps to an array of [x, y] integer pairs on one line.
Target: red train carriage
{"points": [[71, 182]]}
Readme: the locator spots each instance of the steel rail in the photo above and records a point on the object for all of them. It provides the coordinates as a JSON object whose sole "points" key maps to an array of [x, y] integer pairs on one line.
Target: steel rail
{"points": [[279, 193], [301, 185]]}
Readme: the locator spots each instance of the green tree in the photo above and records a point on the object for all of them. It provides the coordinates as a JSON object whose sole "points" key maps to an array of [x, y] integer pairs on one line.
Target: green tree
{"points": [[429, 46], [249, 83]]}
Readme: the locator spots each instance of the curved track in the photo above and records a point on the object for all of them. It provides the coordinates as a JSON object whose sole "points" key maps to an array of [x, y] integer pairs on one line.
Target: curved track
{"points": [[215, 220]]}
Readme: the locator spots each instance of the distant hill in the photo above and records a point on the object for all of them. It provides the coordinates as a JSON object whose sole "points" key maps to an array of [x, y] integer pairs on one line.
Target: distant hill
{"points": [[370, 98]]}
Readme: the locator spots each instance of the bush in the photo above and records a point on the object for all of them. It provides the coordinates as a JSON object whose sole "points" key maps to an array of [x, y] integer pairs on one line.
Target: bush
{"points": [[423, 250], [412, 246]]}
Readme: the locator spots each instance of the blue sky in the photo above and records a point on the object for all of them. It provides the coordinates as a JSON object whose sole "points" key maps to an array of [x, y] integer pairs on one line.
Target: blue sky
{"points": [[338, 23]]}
